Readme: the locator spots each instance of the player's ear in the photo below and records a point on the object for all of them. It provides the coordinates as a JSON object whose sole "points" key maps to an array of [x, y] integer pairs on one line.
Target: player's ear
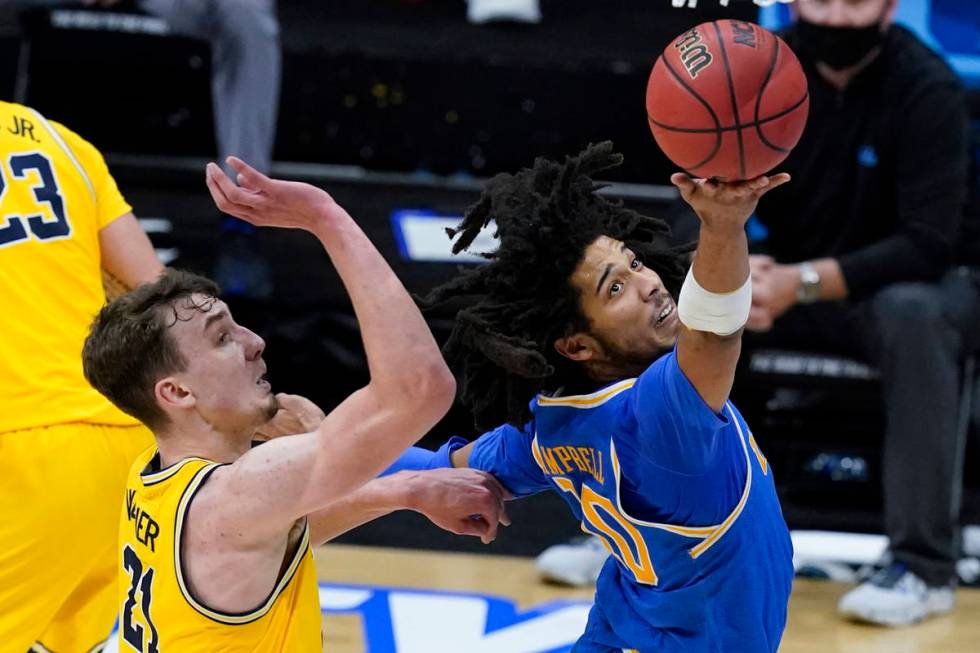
{"points": [[170, 393], [577, 347]]}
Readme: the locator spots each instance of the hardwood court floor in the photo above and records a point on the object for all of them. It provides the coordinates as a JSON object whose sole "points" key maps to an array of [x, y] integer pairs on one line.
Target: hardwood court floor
{"points": [[813, 624]]}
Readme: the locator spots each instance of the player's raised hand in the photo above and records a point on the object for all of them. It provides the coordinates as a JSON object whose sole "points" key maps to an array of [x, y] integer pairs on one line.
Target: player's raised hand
{"points": [[267, 202], [461, 501], [725, 204], [296, 414]]}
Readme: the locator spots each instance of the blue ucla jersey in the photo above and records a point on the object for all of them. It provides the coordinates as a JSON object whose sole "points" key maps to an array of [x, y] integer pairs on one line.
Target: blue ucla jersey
{"points": [[681, 496]]}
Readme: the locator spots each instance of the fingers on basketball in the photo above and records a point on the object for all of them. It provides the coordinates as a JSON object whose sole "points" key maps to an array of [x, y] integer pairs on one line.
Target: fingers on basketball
{"points": [[685, 184]]}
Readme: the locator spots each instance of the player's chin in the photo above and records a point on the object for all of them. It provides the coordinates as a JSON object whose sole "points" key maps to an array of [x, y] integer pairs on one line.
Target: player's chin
{"points": [[270, 407], [668, 328], [659, 346]]}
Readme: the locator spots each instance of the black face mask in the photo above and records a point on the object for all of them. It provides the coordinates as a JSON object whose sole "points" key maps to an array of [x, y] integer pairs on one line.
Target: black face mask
{"points": [[838, 47]]}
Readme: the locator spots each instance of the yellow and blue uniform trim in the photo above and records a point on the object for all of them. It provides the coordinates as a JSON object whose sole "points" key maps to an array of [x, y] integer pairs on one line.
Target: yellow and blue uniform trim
{"points": [[590, 400]]}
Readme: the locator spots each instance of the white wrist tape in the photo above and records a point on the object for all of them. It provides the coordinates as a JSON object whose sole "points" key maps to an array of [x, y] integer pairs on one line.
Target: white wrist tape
{"points": [[719, 313]]}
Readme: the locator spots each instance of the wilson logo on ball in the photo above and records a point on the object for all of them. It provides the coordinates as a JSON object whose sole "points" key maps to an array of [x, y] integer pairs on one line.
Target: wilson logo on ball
{"points": [[743, 33], [694, 52]]}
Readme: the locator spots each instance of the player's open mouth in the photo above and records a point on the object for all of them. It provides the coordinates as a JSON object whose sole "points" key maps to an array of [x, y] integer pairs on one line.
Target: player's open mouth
{"points": [[263, 381], [665, 313]]}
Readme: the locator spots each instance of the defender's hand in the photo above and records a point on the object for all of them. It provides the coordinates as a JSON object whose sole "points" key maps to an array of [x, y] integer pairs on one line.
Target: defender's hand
{"points": [[461, 501], [725, 204], [296, 414], [267, 202]]}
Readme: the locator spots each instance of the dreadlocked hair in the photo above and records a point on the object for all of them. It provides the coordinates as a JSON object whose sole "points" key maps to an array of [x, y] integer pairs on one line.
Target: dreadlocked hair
{"points": [[513, 308]]}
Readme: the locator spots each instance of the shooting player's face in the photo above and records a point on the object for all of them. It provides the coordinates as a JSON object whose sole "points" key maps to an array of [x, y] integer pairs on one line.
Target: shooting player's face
{"points": [[632, 317], [225, 372]]}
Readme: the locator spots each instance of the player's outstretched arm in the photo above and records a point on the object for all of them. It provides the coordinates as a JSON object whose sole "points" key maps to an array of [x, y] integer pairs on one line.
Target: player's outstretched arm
{"points": [[461, 501], [410, 388], [505, 452], [715, 299]]}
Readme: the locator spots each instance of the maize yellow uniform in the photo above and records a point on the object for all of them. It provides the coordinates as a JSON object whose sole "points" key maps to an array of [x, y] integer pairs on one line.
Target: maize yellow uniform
{"points": [[159, 613], [64, 449]]}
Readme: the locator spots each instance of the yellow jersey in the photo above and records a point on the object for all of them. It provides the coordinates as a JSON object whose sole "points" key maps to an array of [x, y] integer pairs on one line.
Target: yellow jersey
{"points": [[158, 612], [56, 193]]}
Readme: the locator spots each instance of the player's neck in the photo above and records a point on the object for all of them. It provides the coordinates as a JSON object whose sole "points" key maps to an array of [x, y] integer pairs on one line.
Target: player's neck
{"points": [[605, 372], [178, 444]]}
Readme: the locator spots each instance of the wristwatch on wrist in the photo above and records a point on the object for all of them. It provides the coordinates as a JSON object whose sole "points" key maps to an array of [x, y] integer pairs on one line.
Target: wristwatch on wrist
{"points": [[809, 289]]}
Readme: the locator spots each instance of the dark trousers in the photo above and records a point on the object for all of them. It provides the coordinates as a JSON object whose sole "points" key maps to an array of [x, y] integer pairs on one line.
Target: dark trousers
{"points": [[917, 335]]}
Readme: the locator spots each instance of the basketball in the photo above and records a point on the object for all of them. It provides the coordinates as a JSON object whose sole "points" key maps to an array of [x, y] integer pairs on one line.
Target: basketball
{"points": [[727, 100]]}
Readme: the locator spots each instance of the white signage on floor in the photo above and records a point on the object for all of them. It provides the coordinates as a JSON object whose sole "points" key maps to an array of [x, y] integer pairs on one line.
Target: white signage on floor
{"points": [[423, 621]]}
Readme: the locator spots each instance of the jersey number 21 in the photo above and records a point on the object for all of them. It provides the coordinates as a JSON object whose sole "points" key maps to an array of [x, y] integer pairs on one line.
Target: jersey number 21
{"points": [[131, 632]]}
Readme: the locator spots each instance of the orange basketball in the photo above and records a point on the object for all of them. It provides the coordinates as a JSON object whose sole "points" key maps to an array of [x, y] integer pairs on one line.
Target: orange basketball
{"points": [[727, 100]]}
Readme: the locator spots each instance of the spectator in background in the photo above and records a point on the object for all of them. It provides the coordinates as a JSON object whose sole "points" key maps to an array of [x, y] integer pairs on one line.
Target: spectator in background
{"points": [[862, 249]]}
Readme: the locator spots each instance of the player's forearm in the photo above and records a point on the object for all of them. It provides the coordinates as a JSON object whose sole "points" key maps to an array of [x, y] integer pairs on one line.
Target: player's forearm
{"points": [[713, 306], [404, 490], [721, 261], [402, 355], [127, 253], [375, 499]]}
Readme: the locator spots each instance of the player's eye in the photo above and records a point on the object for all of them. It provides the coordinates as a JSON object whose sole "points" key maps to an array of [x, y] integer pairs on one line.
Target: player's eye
{"points": [[615, 288], [223, 338], [635, 264]]}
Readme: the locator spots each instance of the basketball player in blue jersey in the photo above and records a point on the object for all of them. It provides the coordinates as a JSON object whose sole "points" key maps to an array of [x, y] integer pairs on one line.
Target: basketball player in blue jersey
{"points": [[610, 372]]}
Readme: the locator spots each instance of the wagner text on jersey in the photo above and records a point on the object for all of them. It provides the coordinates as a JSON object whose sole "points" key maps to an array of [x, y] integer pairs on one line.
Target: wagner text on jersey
{"points": [[146, 527]]}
